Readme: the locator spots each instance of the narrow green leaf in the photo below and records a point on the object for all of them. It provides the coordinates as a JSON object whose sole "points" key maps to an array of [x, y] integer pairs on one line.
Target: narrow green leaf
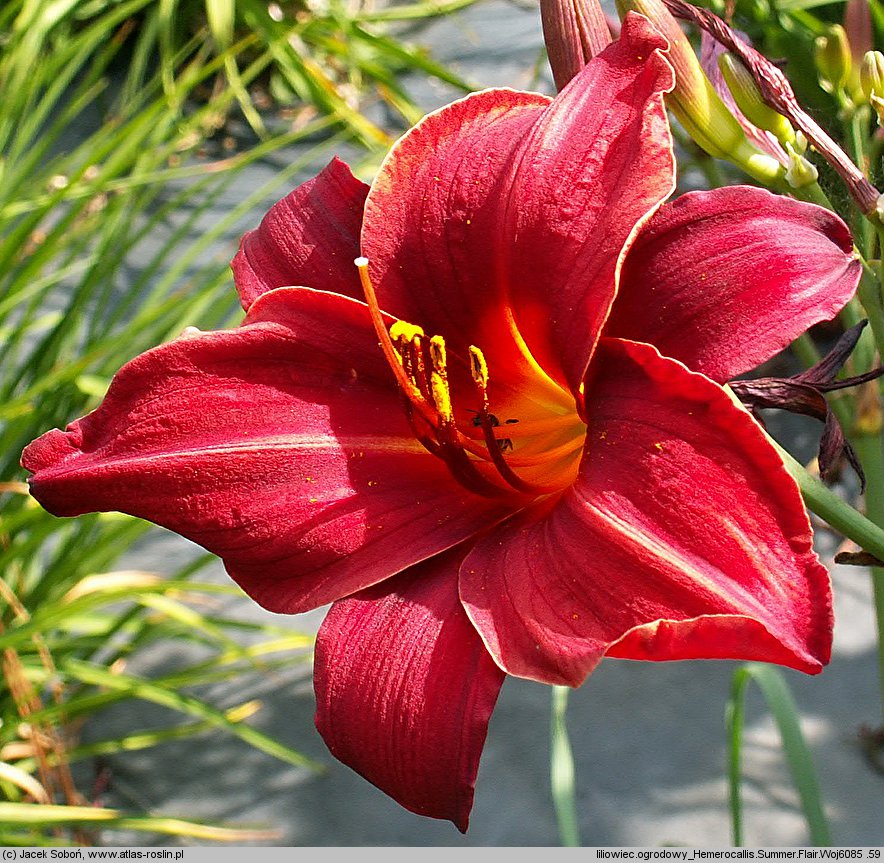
{"points": [[136, 687], [781, 704], [43, 816], [561, 770]]}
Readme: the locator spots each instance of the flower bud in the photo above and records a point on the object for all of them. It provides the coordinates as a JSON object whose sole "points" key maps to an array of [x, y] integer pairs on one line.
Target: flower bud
{"points": [[695, 103], [878, 104], [871, 78], [748, 99], [858, 27], [801, 171], [574, 32], [871, 74], [832, 57]]}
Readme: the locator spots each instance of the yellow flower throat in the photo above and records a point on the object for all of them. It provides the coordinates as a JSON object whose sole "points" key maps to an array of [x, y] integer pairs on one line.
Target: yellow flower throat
{"points": [[544, 443]]}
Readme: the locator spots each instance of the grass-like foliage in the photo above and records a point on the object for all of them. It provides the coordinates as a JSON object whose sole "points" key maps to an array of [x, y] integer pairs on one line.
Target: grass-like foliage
{"points": [[108, 122]]}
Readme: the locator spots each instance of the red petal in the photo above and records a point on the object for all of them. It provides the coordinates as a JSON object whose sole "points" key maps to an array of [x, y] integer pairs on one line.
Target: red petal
{"points": [[432, 213], [596, 164], [281, 446], [309, 238], [722, 280], [506, 199], [683, 537], [405, 689]]}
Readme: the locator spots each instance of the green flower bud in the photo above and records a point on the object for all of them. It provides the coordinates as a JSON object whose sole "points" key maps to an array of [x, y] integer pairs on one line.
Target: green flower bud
{"points": [[748, 98], [832, 57], [871, 74], [695, 103], [801, 171], [878, 104]]}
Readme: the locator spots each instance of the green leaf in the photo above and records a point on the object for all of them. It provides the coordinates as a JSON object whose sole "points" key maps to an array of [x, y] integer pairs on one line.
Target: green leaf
{"points": [[44, 816], [561, 770], [782, 706], [135, 687]]}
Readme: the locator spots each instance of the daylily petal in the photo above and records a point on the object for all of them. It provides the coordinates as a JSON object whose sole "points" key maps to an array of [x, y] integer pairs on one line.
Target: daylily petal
{"points": [[281, 446], [433, 212], [683, 537], [506, 199], [405, 689], [308, 238], [597, 163], [724, 279]]}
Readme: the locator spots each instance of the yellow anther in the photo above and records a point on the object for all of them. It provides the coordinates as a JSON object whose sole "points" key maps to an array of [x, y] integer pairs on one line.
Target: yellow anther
{"points": [[478, 367], [441, 396], [405, 331], [439, 379], [439, 355]]}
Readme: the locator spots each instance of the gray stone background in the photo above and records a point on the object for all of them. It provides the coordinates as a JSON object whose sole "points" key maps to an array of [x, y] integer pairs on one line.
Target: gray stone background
{"points": [[648, 739]]}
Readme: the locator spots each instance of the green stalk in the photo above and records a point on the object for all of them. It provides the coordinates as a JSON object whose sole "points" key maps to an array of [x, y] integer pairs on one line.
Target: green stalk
{"points": [[870, 450], [859, 126], [865, 532], [869, 295], [830, 508], [561, 771]]}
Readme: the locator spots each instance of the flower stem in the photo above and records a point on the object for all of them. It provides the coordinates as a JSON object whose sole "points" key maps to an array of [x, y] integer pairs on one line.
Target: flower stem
{"points": [[869, 295], [859, 124], [828, 506], [870, 450], [845, 519], [561, 771]]}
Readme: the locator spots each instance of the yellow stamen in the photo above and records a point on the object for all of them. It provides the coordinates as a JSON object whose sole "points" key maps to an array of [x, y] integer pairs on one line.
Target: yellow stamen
{"points": [[439, 379], [479, 367], [405, 331], [439, 355], [441, 397]]}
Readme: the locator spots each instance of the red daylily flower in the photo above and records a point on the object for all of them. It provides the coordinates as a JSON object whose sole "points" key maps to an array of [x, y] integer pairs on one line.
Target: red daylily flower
{"points": [[549, 472]]}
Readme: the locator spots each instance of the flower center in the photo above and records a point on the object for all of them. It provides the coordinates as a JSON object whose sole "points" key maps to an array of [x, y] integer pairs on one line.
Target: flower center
{"points": [[533, 449]]}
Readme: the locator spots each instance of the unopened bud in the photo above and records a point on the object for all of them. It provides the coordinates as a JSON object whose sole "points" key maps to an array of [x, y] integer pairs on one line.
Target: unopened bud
{"points": [[574, 31], [832, 57], [801, 171], [878, 104], [871, 74], [695, 103], [746, 94], [858, 26]]}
